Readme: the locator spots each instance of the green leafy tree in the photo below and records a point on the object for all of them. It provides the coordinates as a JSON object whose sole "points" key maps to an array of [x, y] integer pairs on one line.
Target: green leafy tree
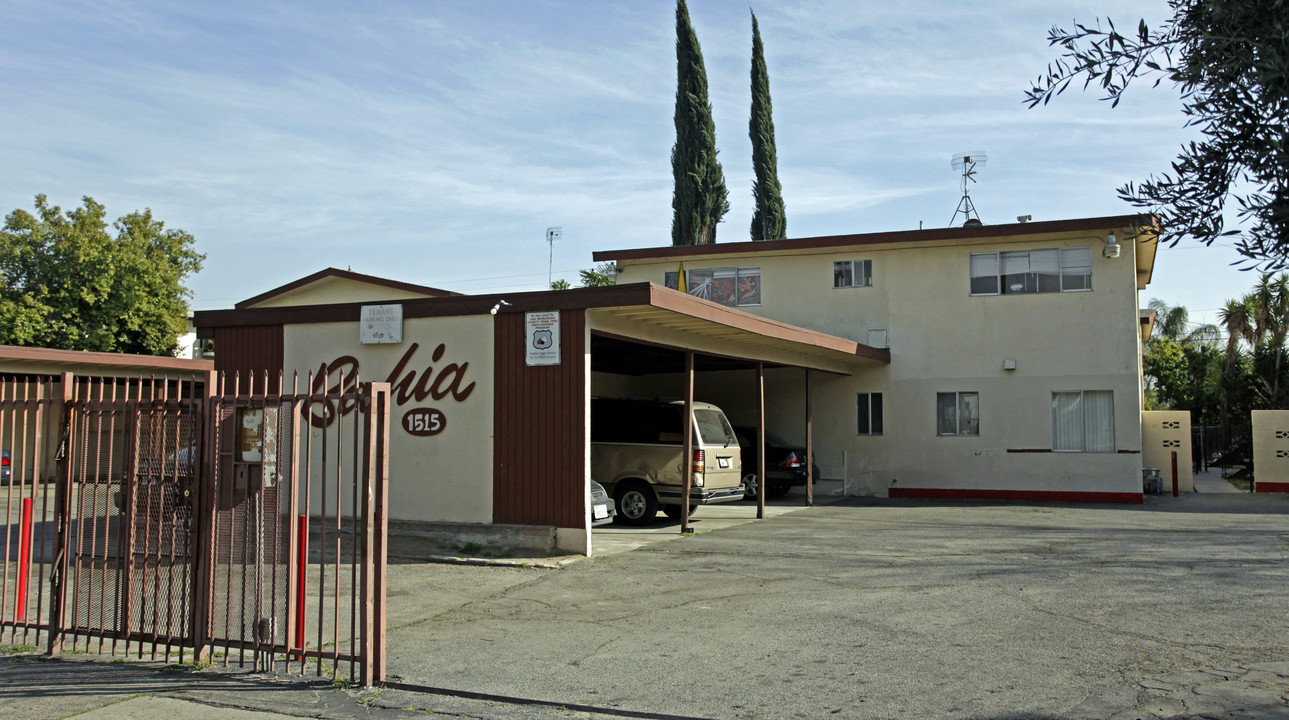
{"points": [[769, 221], [700, 199], [71, 284], [1230, 61]]}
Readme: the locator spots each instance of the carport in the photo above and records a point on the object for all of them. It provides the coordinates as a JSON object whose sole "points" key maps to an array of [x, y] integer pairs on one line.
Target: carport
{"points": [[677, 334], [512, 443]]}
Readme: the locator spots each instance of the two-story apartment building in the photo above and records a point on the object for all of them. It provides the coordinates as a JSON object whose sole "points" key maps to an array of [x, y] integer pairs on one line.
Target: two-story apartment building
{"points": [[1015, 356]]}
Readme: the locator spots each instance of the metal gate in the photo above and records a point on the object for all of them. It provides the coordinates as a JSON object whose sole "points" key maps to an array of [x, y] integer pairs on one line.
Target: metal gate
{"points": [[177, 522]]}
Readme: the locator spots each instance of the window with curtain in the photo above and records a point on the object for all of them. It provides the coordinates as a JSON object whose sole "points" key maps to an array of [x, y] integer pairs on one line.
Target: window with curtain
{"points": [[957, 413], [732, 286], [1021, 272], [1083, 421], [852, 273], [870, 414]]}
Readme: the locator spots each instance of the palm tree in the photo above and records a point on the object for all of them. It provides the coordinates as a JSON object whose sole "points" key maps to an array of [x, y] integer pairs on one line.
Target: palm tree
{"points": [[1260, 322], [1173, 322]]}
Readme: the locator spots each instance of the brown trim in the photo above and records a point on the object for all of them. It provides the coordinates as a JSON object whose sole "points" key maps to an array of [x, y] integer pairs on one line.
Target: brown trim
{"points": [[346, 275], [1128, 452], [576, 299], [1129, 498], [630, 295], [684, 303], [905, 236], [1270, 487], [1028, 450], [158, 362]]}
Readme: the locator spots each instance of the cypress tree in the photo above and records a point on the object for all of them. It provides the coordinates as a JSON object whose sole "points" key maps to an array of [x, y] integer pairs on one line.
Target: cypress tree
{"points": [[769, 221], [700, 198]]}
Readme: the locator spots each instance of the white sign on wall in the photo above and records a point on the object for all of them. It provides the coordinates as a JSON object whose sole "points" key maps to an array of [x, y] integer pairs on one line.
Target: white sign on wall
{"points": [[381, 324], [542, 332]]}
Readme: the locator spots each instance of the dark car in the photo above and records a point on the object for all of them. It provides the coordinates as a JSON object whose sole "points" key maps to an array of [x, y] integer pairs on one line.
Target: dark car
{"points": [[4, 467], [785, 464]]}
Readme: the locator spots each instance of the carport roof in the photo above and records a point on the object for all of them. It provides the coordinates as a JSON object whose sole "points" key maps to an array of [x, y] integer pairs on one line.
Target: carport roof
{"points": [[647, 307]]}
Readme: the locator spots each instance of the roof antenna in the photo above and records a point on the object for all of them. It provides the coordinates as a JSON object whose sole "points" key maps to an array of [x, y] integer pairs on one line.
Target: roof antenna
{"points": [[552, 234], [966, 163]]}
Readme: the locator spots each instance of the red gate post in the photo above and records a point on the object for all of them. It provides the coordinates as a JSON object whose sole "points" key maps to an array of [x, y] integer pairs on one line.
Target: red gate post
{"points": [[24, 561], [1174, 473], [301, 567]]}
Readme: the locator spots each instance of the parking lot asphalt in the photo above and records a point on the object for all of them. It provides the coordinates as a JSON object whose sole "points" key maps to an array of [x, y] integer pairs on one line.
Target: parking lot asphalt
{"points": [[877, 609], [859, 609]]}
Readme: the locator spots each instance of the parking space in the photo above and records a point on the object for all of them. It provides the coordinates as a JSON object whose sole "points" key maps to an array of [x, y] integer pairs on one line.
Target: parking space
{"points": [[615, 539]]}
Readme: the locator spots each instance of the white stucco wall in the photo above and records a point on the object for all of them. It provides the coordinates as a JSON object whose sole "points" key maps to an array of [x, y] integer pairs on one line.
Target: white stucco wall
{"points": [[943, 339], [443, 477]]}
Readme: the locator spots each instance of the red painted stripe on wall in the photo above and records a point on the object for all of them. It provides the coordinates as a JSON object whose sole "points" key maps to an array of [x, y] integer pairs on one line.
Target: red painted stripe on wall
{"points": [[1032, 495], [1271, 487]]}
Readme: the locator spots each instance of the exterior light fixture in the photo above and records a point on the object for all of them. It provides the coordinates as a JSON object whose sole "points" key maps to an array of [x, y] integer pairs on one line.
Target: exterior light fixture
{"points": [[497, 307], [1111, 249]]}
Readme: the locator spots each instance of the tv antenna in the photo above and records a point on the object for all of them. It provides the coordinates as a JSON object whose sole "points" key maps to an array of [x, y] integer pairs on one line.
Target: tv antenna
{"points": [[552, 234], [966, 163]]}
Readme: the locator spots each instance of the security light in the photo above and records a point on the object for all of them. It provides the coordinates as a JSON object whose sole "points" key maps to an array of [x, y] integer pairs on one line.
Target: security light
{"points": [[1111, 249]]}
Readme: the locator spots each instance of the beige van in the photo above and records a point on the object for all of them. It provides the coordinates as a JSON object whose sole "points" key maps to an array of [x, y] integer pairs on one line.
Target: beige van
{"points": [[637, 453]]}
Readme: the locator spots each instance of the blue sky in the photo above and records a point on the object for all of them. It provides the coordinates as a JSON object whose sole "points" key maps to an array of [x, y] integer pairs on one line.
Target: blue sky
{"points": [[434, 142]]}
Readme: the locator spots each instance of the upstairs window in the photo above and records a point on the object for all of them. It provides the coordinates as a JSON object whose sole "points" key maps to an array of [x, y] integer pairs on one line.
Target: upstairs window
{"points": [[732, 286], [1023, 272], [852, 273]]}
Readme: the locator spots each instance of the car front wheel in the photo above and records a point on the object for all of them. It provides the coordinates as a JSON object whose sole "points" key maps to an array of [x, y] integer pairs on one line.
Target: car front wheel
{"points": [[751, 486], [636, 504]]}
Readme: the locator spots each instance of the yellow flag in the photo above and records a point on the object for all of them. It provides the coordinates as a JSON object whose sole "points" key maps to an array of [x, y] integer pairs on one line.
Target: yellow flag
{"points": [[680, 279]]}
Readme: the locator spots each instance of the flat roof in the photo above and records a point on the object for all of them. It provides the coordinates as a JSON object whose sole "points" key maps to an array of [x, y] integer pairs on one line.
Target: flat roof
{"points": [[1147, 224], [645, 303]]}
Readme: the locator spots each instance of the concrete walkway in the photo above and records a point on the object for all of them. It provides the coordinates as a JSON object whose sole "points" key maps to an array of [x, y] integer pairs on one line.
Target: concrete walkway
{"points": [[1211, 481]]}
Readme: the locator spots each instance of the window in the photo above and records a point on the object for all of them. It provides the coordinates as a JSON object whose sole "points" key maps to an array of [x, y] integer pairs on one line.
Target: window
{"points": [[870, 414], [852, 273], [957, 413], [731, 286], [1083, 421], [1031, 271]]}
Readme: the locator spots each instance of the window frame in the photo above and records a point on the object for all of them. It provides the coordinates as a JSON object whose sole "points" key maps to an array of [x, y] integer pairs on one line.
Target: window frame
{"points": [[864, 401], [671, 279], [957, 413], [866, 265], [1083, 423], [1067, 258]]}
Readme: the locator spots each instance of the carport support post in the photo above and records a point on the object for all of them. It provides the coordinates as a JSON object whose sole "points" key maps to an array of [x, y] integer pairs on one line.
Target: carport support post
{"points": [[760, 440], [810, 443], [688, 460]]}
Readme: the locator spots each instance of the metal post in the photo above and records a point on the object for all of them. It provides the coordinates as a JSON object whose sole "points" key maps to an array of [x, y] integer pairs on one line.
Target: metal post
{"points": [[368, 519], [204, 512], [1174, 473], [810, 442], [760, 440], [688, 460], [62, 509], [382, 405]]}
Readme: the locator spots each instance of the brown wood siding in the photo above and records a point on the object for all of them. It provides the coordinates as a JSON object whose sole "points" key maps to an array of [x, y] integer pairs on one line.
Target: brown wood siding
{"points": [[249, 351], [539, 428]]}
